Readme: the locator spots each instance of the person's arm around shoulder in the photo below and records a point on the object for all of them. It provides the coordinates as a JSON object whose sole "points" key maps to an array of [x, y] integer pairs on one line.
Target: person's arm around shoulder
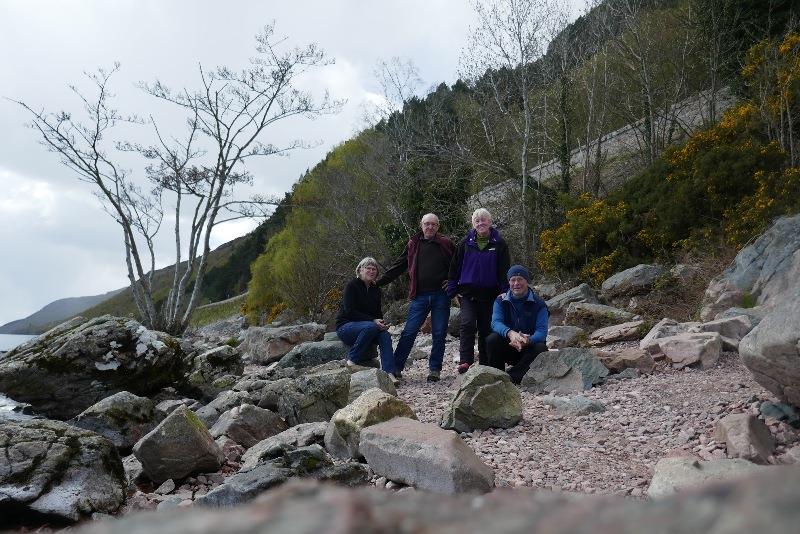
{"points": [[399, 266]]}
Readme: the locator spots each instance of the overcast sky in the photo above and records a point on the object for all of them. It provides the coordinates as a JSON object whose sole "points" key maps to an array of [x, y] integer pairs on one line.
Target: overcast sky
{"points": [[55, 240]]}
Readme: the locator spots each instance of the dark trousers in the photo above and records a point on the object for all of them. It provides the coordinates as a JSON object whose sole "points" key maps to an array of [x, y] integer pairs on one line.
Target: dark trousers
{"points": [[501, 353], [476, 317]]}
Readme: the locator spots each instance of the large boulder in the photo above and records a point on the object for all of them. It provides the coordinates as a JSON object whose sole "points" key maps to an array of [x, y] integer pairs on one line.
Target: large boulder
{"points": [[593, 316], [672, 475], [178, 447], [361, 381], [123, 418], [764, 271], [313, 353], [371, 407], [745, 437], [268, 344], [315, 396], [703, 348], [633, 281], [485, 399], [298, 436], [424, 456], [626, 359], [66, 370], [557, 305], [52, 468], [564, 371], [212, 371], [248, 424], [771, 351]]}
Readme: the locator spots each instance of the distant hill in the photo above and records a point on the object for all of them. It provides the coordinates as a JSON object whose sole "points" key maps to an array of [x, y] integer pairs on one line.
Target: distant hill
{"points": [[54, 313]]}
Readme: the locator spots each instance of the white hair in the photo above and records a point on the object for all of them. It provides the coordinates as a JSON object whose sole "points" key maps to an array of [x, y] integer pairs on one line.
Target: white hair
{"points": [[366, 261], [481, 212]]}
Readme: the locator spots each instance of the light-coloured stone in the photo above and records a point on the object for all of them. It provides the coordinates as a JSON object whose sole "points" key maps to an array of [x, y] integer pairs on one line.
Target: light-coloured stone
{"points": [[361, 381], [745, 437], [688, 349], [633, 281], [593, 316], [268, 344], [371, 407], [486, 398], [631, 358], [301, 435], [672, 475], [557, 305], [424, 456], [577, 405], [617, 332]]}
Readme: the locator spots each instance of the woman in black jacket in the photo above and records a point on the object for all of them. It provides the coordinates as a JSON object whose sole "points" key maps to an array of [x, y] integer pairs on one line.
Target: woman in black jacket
{"points": [[360, 321]]}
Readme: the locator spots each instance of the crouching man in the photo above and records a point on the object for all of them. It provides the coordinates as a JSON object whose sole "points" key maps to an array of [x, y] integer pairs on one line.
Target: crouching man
{"points": [[519, 326]]}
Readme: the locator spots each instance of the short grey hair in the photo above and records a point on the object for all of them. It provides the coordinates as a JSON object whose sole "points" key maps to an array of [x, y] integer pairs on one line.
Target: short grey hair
{"points": [[367, 261], [481, 212]]}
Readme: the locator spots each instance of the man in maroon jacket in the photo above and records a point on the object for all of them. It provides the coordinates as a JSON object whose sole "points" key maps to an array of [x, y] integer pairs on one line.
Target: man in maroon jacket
{"points": [[426, 258]]}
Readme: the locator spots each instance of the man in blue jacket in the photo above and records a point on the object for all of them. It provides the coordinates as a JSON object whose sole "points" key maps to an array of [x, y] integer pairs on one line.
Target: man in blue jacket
{"points": [[519, 326]]}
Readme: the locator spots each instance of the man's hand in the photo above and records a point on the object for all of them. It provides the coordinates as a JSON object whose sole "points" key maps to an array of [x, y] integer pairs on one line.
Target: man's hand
{"points": [[444, 284], [517, 340], [381, 324]]}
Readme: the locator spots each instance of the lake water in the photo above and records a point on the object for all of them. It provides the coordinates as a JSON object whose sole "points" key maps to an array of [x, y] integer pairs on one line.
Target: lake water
{"points": [[9, 341]]}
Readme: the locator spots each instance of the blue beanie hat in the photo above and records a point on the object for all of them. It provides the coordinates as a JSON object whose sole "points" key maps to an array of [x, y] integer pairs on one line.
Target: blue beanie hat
{"points": [[518, 270]]}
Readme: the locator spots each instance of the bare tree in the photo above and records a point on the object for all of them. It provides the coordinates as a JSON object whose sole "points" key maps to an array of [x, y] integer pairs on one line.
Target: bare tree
{"points": [[510, 36], [230, 113]]}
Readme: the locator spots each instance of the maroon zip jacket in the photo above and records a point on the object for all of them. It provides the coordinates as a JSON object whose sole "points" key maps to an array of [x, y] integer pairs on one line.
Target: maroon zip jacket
{"points": [[408, 262]]}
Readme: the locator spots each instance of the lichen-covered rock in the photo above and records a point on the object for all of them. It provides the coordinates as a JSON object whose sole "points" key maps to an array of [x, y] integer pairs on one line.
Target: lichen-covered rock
{"points": [[361, 381], [270, 394], [424, 456], [215, 370], [672, 475], [123, 418], [485, 399], [301, 435], [577, 405], [557, 305], [269, 344], [315, 396], [226, 400], [564, 372], [248, 424], [66, 370], [703, 348], [50, 467], [560, 337], [313, 353], [178, 447], [371, 407]]}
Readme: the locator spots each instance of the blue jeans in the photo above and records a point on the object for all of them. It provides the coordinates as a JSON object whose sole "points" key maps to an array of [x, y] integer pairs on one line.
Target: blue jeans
{"points": [[437, 303], [360, 335]]}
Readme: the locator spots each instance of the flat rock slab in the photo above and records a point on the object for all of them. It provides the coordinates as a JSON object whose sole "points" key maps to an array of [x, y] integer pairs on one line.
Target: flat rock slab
{"points": [[672, 475], [370, 408], [765, 504], [617, 332], [630, 358], [313, 353], [245, 486], [297, 436], [424, 456], [577, 405], [50, 467], [361, 381], [559, 337], [486, 398], [557, 305], [178, 447], [593, 316], [633, 281]]}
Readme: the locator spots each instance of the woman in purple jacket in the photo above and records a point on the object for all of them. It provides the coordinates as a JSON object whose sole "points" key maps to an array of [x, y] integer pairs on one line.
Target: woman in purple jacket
{"points": [[477, 275]]}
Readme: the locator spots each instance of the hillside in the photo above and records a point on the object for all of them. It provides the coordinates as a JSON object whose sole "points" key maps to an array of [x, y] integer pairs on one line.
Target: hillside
{"points": [[56, 312]]}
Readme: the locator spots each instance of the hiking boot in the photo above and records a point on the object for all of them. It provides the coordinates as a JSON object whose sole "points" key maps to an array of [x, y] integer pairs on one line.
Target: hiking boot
{"points": [[398, 376], [463, 367], [395, 379], [433, 376]]}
